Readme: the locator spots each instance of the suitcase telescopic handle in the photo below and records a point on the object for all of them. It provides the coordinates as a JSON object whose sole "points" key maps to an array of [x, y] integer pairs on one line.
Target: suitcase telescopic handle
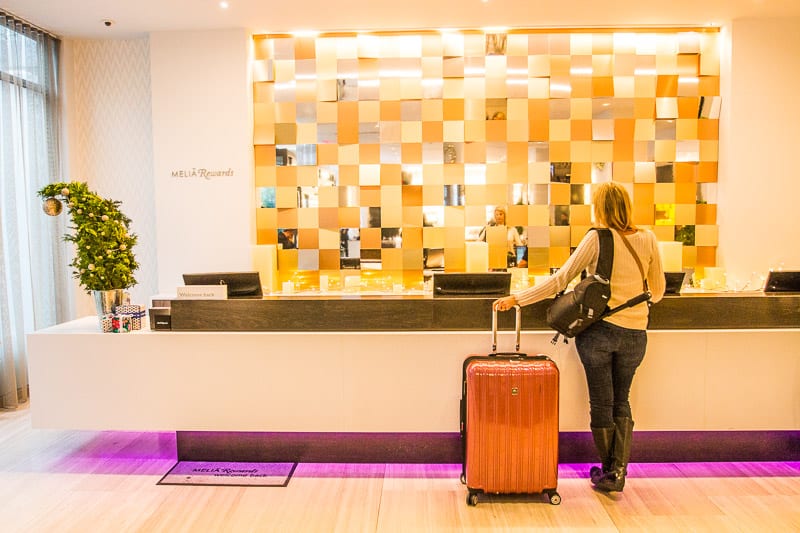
{"points": [[517, 327]]}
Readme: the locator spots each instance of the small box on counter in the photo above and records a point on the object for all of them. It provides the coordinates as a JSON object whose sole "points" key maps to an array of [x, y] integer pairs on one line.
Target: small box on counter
{"points": [[106, 323], [121, 324], [134, 312]]}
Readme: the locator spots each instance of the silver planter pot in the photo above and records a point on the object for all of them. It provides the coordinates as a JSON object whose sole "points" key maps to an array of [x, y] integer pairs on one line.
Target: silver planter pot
{"points": [[106, 302]]}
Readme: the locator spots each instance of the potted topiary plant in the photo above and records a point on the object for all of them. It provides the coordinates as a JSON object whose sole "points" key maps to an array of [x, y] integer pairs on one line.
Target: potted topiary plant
{"points": [[104, 262]]}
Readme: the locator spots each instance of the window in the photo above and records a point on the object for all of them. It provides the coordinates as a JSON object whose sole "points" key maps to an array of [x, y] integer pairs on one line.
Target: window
{"points": [[30, 246]]}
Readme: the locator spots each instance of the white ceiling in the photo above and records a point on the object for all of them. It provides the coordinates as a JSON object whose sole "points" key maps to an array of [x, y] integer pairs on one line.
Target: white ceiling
{"points": [[84, 18]]}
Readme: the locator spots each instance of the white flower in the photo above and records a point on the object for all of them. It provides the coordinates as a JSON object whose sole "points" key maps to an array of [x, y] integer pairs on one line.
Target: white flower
{"points": [[64, 192], [91, 266], [104, 218], [123, 246]]}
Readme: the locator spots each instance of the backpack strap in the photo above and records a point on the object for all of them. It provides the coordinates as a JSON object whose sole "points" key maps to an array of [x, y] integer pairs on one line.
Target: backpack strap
{"points": [[645, 288], [605, 259], [636, 300]]}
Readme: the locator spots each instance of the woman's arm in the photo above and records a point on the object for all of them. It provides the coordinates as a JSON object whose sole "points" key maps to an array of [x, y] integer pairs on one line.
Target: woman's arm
{"points": [[584, 255], [513, 237]]}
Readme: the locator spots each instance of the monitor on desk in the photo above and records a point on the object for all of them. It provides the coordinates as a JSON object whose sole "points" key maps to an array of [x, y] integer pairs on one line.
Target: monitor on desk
{"points": [[783, 281], [674, 282], [475, 284], [240, 284]]}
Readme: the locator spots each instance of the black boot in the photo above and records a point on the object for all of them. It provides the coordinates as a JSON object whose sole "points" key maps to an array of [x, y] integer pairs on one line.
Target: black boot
{"points": [[603, 442], [614, 479]]}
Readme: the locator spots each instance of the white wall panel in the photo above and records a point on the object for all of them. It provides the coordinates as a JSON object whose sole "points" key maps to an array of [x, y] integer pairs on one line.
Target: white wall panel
{"points": [[110, 141], [759, 136], [202, 120]]}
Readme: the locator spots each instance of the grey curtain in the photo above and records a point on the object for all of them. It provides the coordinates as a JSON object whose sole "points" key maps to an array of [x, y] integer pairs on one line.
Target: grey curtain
{"points": [[33, 273]]}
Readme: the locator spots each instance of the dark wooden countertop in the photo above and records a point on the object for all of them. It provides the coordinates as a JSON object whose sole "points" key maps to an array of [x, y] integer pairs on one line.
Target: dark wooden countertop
{"points": [[425, 313]]}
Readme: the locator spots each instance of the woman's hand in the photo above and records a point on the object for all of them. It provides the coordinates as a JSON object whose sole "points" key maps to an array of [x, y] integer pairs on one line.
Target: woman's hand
{"points": [[505, 303]]}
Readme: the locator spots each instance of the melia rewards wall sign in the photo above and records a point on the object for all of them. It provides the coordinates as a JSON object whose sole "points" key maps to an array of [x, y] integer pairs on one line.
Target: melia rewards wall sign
{"points": [[202, 173]]}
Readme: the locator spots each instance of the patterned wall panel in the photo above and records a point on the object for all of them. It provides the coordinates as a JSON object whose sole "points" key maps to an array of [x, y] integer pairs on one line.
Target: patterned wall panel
{"points": [[111, 115], [388, 152]]}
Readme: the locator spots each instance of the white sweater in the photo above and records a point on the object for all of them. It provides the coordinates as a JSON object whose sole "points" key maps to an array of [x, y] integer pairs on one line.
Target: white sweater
{"points": [[626, 281]]}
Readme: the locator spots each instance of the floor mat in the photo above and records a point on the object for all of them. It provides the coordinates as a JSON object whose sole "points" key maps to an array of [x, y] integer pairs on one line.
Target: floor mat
{"points": [[229, 474]]}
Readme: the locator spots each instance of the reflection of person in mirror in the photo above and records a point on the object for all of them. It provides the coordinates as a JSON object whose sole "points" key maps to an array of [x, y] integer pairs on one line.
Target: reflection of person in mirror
{"points": [[513, 238], [613, 348], [561, 215], [343, 246], [288, 238]]}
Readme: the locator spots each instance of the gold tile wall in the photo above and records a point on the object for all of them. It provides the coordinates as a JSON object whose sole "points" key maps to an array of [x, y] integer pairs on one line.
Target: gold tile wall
{"points": [[385, 152]]}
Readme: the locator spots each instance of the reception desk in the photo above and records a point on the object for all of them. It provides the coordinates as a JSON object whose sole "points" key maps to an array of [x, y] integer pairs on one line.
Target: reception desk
{"points": [[384, 373], [699, 311]]}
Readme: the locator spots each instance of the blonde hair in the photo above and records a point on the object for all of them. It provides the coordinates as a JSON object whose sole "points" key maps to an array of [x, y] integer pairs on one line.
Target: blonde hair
{"points": [[612, 207], [502, 209]]}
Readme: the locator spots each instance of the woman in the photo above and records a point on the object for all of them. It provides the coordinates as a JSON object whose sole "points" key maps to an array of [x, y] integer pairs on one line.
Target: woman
{"points": [[611, 349], [513, 238]]}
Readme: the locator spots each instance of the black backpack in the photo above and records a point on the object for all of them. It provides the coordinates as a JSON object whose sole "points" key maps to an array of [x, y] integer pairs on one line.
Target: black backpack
{"points": [[574, 311]]}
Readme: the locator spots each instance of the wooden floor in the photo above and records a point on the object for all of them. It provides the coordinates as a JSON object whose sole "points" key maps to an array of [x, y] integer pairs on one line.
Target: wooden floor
{"points": [[60, 481]]}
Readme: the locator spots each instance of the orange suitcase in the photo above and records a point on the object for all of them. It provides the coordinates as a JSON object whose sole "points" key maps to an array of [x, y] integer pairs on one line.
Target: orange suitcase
{"points": [[509, 422]]}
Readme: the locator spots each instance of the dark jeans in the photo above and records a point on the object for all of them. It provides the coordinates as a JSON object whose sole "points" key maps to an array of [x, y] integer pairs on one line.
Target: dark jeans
{"points": [[610, 356]]}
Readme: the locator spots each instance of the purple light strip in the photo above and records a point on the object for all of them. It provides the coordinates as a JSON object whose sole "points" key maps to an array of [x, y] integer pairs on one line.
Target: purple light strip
{"points": [[144, 453]]}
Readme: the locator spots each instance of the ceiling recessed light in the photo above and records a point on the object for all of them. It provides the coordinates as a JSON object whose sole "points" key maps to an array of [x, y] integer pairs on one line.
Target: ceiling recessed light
{"points": [[224, 4]]}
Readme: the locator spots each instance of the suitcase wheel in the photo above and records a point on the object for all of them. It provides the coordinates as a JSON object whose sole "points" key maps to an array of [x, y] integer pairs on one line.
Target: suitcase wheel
{"points": [[554, 497], [472, 498], [463, 478]]}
